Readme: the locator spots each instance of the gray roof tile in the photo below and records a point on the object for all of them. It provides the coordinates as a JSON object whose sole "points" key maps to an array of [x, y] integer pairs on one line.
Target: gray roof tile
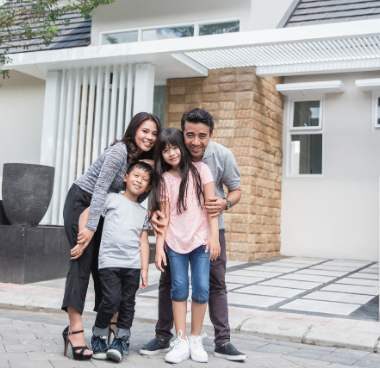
{"points": [[74, 31], [328, 11]]}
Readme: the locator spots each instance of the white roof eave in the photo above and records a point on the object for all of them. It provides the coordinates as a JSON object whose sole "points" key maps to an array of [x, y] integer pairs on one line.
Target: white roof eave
{"points": [[285, 51]]}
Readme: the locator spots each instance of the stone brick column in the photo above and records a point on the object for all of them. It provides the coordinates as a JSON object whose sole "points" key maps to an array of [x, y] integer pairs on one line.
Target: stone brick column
{"points": [[248, 119]]}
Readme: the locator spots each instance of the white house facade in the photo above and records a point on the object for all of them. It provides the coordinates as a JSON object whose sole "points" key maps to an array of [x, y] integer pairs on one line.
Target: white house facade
{"points": [[295, 99]]}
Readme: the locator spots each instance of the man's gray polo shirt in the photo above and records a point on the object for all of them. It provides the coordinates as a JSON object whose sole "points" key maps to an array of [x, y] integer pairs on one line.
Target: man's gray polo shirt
{"points": [[224, 169]]}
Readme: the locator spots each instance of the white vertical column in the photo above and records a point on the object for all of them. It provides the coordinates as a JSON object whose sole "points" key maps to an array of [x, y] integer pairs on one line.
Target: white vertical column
{"points": [[59, 149], [144, 88], [90, 120], [74, 127], [113, 107], [98, 114], [82, 123], [105, 115], [121, 103], [128, 102], [67, 142], [50, 126]]}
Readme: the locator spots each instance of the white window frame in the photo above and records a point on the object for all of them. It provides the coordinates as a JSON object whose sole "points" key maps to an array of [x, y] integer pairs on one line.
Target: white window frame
{"points": [[141, 29], [375, 114], [291, 130]]}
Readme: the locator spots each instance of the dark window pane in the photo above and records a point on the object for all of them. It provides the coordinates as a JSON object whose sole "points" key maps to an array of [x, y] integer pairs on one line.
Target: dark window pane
{"points": [[378, 111], [167, 32], [306, 154], [120, 37], [160, 102], [216, 28], [306, 113]]}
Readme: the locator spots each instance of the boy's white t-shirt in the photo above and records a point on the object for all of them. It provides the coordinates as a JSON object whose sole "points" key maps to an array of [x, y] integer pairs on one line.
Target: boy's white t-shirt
{"points": [[123, 223]]}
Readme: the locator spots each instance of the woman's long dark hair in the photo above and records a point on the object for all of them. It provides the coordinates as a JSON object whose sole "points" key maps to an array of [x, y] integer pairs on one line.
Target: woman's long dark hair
{"points": [[174, 137], [130, 134]]}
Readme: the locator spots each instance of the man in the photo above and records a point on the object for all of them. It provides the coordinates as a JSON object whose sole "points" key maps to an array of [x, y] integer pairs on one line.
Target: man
{"points": [[197, 127]]}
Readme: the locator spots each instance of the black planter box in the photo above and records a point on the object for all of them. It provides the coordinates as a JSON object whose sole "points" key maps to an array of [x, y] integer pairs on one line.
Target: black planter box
{"points": [[31, 254]]}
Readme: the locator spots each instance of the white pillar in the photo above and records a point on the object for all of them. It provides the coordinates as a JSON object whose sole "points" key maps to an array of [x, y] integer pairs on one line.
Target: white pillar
{"points": [[143, 88], [49, 121], [49, 127]]}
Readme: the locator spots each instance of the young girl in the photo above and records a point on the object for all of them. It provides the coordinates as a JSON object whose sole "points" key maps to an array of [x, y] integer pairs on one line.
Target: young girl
{"points": [[191, 236]]}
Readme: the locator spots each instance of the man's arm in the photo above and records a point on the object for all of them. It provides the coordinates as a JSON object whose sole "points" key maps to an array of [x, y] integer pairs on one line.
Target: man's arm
{"points": [[231, 179]]}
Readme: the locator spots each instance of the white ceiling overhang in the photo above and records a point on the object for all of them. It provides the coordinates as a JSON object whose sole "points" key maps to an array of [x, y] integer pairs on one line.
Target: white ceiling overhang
{"points": [[326, 48]]}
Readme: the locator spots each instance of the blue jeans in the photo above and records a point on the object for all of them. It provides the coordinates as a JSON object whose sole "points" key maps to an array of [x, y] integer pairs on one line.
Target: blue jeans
{"points": [[200, 274]]}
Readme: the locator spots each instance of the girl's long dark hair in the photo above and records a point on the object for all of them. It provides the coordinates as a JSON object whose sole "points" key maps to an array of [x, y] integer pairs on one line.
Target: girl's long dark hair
{"points": [[174, 137], [130, 134]]}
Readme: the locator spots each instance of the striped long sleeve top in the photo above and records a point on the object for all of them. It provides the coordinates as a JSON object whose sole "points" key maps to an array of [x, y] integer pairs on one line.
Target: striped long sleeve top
{"points": [[105, 175]]}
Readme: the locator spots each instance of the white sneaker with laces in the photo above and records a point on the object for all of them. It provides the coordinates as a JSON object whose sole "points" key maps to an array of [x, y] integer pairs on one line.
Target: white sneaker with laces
{"points": [[180, 350], [197, 351]]}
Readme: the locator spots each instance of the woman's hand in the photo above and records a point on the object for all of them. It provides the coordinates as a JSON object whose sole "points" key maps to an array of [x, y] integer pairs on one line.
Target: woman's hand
{"points": [[84, 236], [159, 222], [213, 247], [78, 250], [83, 240], [144, 279], [160, 259]]}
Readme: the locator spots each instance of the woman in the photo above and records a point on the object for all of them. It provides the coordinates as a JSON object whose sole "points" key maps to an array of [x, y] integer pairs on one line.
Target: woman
{"points": [[105, 175]]}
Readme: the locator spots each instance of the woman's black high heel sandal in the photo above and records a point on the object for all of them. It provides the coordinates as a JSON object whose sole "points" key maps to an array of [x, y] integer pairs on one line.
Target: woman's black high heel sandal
{"points": [[111, 331], [77, 351]]}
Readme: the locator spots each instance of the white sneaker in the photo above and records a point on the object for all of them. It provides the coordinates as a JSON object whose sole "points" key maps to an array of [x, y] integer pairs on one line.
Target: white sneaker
{"points": [[180, 350], [197, 351]]}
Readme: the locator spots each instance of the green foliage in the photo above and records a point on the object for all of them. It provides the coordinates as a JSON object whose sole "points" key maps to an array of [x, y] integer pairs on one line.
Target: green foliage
{"points": [[22, 20]]}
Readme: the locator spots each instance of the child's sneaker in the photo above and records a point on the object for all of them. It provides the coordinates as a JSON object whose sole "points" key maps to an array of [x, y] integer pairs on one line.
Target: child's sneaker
{"points": [[180, 350], [197, 351], [118, 348], [99, 347]]}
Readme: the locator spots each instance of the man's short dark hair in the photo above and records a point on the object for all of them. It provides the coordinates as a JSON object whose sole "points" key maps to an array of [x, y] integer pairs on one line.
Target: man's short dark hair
{"points": [[198, 116], [143, 166]]}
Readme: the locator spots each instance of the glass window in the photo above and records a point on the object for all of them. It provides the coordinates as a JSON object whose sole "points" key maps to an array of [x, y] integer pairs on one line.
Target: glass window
{"points": [[159, 102], [167, 32], [306, 114], [306, 154], [217, 28], [378, 112], [120, 37]]}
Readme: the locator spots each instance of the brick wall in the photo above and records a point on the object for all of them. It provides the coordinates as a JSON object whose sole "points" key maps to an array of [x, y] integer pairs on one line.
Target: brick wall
{"points": [[248, 119]]}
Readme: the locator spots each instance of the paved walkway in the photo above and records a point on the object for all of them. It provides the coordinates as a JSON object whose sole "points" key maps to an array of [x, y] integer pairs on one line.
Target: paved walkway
{"points": [[32, 339], [316, 301]]}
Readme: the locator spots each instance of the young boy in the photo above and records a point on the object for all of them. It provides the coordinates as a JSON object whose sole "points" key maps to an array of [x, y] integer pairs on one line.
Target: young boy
{"points": [[124, 250]]}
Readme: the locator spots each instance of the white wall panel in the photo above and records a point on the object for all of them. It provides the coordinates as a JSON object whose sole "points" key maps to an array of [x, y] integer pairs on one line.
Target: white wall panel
{"points": [[89, 111]]}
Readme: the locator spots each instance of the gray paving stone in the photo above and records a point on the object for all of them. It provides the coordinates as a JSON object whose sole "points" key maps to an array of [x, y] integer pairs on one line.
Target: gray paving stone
{"points": [[370, 361], [253, 301], [277, 348], [271, 291], [237, 279], [339, 297], [303, 277], [291, 283], [364, 275], [309, 271], [22, 348], [318, 306], [348, 357], [69, 363], [366, 290], [354, 281]]}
